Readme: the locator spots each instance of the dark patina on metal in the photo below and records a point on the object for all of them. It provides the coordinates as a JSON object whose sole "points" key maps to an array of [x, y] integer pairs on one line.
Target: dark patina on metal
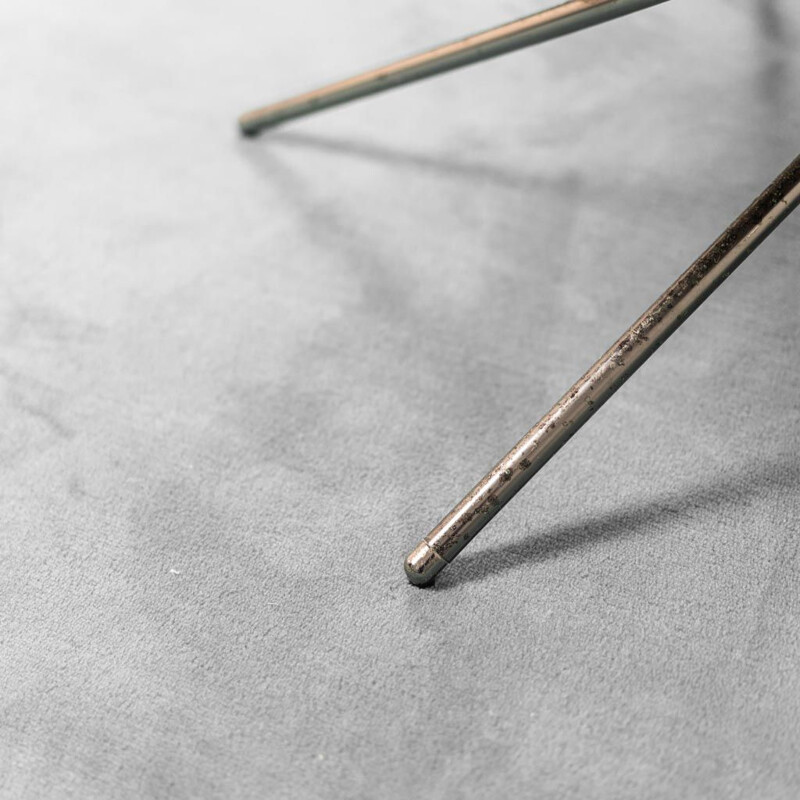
{"points": [[624, 357]]}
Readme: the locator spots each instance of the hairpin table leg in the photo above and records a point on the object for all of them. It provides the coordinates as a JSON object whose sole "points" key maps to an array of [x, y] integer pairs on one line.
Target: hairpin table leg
{"points": [[576, 407], [558, 21]]}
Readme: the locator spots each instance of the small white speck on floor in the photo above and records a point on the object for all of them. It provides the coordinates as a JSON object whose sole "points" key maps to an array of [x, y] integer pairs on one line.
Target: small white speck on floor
{"points": [[320, 757], [174, 572]]}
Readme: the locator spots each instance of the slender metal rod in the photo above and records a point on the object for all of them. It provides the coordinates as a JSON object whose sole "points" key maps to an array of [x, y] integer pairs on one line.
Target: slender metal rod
{"points": [[558, 21], [630, 351]]}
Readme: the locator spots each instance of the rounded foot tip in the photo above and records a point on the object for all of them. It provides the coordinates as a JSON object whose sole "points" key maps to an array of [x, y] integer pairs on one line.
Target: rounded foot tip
{"points": [[423, 565], [248, 129]]}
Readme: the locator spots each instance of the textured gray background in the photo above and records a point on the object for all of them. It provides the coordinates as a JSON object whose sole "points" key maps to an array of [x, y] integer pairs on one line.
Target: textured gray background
{"points": [[231, 368]]}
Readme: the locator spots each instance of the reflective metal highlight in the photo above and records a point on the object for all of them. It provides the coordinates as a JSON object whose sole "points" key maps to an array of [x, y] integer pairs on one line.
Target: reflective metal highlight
{"points": [[629, 352], [549, 24]]}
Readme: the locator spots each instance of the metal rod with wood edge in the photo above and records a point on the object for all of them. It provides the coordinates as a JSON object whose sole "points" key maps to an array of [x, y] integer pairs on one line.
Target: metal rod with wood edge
{"points": [[560, 20], [629, 352]]}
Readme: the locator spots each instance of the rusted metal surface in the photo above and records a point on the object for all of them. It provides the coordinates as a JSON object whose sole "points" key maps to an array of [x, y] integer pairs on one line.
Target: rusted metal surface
{"points": [[628, 353], [549, 24]]}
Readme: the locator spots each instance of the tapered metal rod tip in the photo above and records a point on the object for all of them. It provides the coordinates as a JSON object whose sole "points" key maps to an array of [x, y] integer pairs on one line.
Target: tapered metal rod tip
{"points": [[569, 17], [247, 127], [423, 565], [578, 405]]}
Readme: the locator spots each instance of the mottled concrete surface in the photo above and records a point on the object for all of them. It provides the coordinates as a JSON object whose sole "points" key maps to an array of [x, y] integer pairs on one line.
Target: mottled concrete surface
{"points": [[241, 378]]}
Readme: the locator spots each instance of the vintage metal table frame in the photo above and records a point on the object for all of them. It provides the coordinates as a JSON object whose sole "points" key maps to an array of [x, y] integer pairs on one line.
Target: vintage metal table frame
{"points": [[636, 344]]}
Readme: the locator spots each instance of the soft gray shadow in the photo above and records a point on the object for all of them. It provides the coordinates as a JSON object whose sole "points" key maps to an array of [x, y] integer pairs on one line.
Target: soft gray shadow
{"points": [[631, 520], [776, 43], [435, 164], [771, 22]]}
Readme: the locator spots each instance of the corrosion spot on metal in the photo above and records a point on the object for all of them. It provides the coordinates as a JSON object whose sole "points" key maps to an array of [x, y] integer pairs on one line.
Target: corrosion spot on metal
{"points": [[611, 370]]}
